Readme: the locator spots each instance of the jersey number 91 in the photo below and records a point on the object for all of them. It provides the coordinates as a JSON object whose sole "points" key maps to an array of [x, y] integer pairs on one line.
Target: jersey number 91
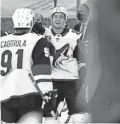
{"points": [[6, 60]]}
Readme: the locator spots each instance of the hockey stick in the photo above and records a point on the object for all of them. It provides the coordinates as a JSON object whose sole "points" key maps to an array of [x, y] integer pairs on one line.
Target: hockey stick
{"points": [[38, 89]]}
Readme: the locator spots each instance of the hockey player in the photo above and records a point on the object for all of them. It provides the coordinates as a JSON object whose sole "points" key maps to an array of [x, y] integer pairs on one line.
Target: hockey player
{"points": [[24, 57], [67, 62]]}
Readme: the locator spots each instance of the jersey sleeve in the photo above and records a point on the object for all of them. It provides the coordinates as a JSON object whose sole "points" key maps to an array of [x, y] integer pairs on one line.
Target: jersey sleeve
{"points": [[41, 68]]}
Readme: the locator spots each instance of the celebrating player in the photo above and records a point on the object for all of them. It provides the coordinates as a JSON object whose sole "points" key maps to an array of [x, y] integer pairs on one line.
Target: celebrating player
{"points": [[24, 59], [67, 62]]}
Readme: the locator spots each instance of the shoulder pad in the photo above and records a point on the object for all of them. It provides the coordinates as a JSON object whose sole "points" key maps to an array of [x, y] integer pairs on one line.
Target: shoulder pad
{"points": [[74, 31]]}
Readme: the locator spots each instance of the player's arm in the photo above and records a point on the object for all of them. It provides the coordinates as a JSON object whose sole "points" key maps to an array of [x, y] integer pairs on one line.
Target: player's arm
{"points": [[80, 56], [41, 68]]}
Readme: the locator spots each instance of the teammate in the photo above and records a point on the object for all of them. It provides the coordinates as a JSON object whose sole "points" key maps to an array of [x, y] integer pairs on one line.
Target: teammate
{"points": [[67, 62], [24, 59]]}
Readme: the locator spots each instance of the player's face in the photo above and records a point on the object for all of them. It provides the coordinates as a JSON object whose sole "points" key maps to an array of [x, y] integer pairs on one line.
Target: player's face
{"points": [[58, 20]]}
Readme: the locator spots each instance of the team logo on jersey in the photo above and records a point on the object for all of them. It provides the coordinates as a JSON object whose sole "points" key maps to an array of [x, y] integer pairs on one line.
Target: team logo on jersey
{"points": [[48, 38], [61, 55]]}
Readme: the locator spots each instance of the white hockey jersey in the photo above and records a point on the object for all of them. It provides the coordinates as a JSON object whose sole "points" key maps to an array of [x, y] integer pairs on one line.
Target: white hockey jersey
{"points": [[17, 55], [65, 66]]}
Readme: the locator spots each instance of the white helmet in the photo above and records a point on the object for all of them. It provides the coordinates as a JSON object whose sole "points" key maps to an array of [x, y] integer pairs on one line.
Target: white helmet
{"points": [[59, 9], [23, 18]]}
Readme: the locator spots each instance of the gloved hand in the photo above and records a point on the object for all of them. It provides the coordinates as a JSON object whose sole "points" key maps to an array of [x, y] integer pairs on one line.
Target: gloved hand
{"points": [[47, 97], [49, 106], [51, 94]]}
